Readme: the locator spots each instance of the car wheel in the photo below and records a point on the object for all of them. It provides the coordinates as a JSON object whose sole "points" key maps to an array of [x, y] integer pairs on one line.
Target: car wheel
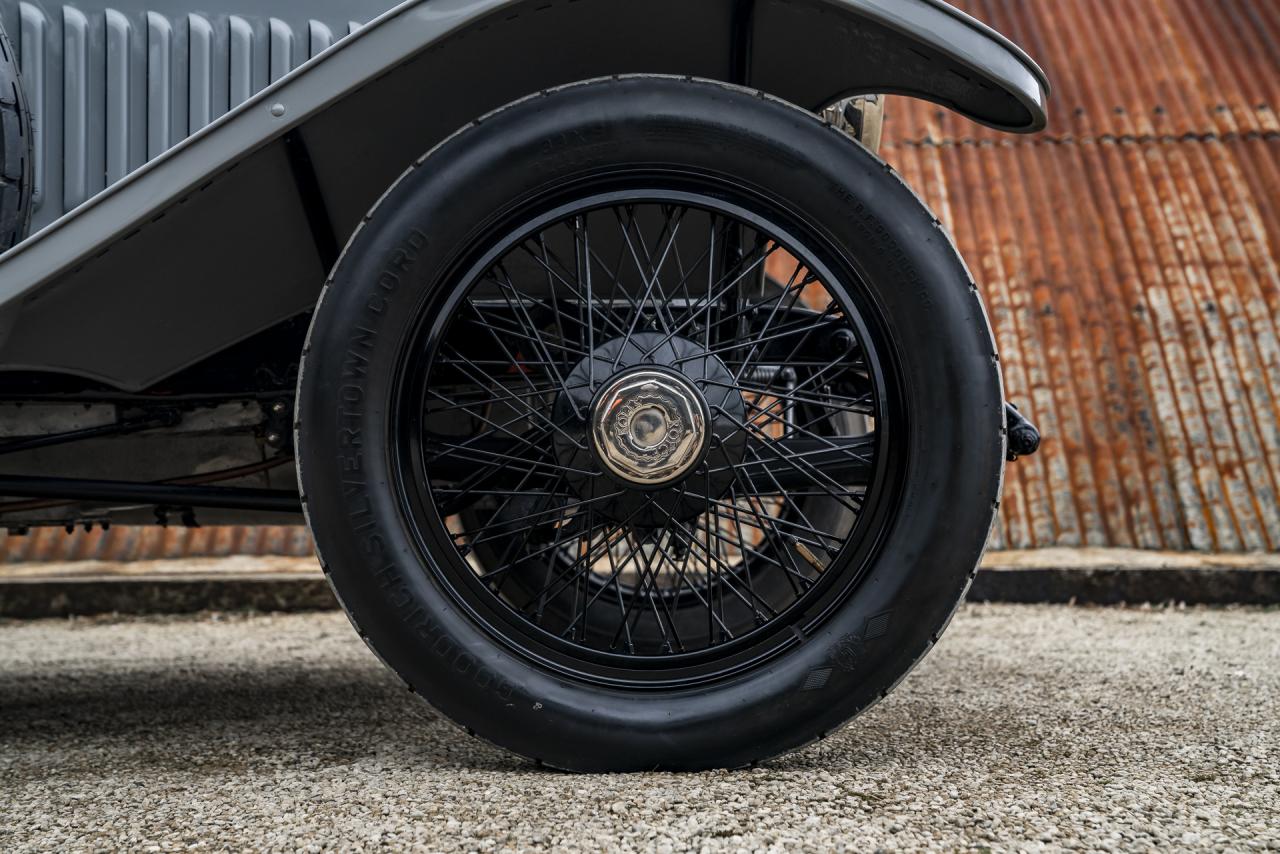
{"points": [[650, 423]]}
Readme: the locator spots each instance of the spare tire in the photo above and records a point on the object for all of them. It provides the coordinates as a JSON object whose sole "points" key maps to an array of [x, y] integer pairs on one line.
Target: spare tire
{"points": [[15, 150]]}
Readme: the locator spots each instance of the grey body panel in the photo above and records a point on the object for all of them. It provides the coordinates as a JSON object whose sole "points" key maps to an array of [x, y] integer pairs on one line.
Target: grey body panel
{"points": [[212, 240], [114, 84]]}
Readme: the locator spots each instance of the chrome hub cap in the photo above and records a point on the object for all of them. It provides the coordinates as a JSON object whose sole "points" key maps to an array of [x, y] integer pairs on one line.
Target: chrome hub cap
{"points": [[649, 427]]}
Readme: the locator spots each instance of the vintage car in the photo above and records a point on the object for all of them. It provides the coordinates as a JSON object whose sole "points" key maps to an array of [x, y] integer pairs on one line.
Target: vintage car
{"points": [[642, 416]]}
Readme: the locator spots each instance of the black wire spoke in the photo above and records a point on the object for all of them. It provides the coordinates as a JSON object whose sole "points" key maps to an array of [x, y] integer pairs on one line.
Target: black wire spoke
{"points": [[518, 306], [713, 284], [645, 593], [717, 290], [829, 444], [649, 577], [582, 296], [761, 522], [699, 594], [529, 410], [817, 402], [485, 455], [809, 381], [796, 507], [621, 527], [735, 514], [505, 524], [776, 521], [476, 479], [526, 439], [513, 548], [761, 336], [617, 289], [683, 283], [551, 288], [497, 325], [835, 490], [453, 404], [674, 218], [546, 578], [808, 325], [691, 539], [615, 569], [505, 529], [579, 576], [650, 278], [792, 288], [793, 573], [682, 575], [504, 569], [815, 475]]}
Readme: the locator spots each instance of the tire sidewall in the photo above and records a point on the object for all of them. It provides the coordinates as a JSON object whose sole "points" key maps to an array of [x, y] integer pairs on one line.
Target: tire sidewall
{"points": [[953, 431]]}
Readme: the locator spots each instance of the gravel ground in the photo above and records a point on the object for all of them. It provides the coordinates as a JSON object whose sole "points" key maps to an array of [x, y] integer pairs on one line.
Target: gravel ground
{"points": [[1028, 728]]}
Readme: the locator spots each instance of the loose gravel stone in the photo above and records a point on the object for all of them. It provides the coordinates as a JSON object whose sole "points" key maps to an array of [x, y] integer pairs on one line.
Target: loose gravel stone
{"points": [[1029, 728]]}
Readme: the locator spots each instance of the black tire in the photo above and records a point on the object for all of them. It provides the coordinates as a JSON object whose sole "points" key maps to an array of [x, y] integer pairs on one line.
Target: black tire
{"points": [[15, 150], [842, 653]]}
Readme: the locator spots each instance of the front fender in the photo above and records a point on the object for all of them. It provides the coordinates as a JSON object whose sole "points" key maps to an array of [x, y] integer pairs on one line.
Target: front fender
{"points": [[235, 228]]}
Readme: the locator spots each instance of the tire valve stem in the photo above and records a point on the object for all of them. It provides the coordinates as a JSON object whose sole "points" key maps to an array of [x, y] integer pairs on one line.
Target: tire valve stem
{"points": [[807, 553]]}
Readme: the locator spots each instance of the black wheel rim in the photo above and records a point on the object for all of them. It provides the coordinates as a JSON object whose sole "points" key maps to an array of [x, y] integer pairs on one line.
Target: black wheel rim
{"points": [[715, 509]]}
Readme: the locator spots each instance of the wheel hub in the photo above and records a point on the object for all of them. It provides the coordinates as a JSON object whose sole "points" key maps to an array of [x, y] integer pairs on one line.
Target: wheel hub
{"points": [[649, 426]]}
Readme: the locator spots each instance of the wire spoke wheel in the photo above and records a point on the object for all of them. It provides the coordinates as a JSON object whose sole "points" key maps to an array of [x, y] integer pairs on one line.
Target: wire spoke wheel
{"points": [[650, 423], [647, 428]]}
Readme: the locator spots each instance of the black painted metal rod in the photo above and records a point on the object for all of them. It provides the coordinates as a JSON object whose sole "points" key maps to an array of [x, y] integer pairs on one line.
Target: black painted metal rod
{"points": [[170, 494]]}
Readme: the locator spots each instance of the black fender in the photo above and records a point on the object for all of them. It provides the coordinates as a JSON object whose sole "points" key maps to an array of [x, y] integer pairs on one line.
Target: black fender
{"points": [[234, 229]]}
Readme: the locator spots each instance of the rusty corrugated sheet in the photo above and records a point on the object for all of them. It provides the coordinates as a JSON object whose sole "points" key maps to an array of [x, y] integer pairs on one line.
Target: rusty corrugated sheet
{"points": [[1128, 257], [1129, 261], [133, 542], [1132, 68]]}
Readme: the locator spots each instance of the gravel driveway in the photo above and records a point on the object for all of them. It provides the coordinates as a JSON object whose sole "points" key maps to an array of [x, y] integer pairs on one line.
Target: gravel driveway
{"points": [[1028, 728]]}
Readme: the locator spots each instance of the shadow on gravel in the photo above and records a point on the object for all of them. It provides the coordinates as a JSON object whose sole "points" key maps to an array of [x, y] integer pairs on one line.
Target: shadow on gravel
{"points": [[218, 719], [215, 719], [310, 709]]}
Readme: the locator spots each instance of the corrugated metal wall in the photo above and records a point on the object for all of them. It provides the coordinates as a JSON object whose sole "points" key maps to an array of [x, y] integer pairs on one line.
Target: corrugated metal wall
{"points": [[1129, 260], [131, 542], [1128, 257]]}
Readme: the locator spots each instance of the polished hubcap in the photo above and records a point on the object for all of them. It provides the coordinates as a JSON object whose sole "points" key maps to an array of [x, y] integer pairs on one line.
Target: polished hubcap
{"points": [[659, 434], [649, 427]]}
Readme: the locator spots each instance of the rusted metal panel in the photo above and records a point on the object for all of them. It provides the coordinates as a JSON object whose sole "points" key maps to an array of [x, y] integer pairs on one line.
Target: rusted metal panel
{"points": [[1131, 68], [131, 542], [1133, 290], [1128, 256]]}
